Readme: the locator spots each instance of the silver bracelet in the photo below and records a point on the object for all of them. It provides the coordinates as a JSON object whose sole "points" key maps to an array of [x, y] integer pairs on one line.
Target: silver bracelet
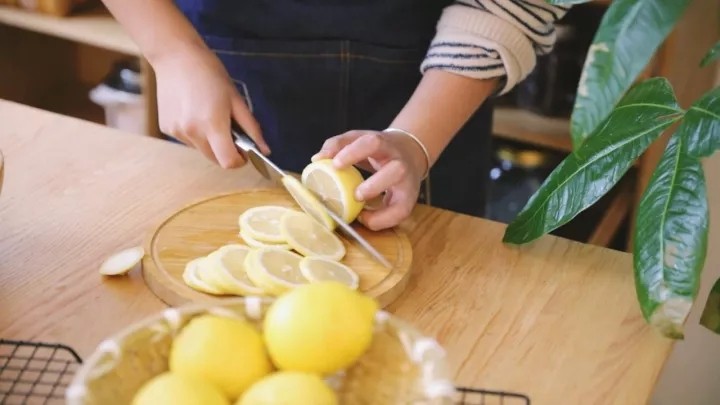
{"points": [[424, 149]]}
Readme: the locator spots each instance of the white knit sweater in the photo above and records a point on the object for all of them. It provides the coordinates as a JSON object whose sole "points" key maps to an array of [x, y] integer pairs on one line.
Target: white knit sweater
{"points": [[493, 38]]}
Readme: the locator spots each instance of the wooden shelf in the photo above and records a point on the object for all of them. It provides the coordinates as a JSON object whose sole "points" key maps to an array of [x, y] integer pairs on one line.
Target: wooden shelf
{"points": [[527, 127], [93, 27]]}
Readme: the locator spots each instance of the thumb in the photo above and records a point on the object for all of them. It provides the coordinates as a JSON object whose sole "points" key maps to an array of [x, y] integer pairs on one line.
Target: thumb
{"points": [[247, 122]]}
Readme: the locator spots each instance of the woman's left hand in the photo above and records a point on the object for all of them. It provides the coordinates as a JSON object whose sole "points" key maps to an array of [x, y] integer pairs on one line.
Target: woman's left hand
{"points": [[399, 165]]}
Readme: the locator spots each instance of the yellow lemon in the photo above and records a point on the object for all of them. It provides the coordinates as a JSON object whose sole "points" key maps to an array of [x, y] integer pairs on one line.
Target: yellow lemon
{"points": [[319, 327], [310, 238], [320, 269], [335, 187], [307, 201], [262, 223], [228, 353], [191, 277], [228, 265], [274, 270], [172, 389], [289, 388], [252, 242]]}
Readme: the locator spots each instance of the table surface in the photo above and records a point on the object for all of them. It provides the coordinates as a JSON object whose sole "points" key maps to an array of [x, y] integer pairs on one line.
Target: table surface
{"points": [[556, 320]]}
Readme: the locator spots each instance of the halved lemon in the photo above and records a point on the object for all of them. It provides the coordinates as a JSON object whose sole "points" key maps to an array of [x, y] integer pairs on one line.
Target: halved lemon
{"points": [[263, 223], [310, 238], [191, 278], [320, 269], [335, 187], [228, 265], [274, 270], [252, 242], [307, 201]]}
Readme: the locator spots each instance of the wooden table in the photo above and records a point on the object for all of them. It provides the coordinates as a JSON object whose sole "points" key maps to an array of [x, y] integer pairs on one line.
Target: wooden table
{"points": [[556, 320]]}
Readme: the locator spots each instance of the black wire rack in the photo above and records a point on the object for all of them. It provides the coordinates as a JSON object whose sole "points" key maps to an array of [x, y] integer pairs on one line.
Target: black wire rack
{"points": [[38, 373], [35, 372]]}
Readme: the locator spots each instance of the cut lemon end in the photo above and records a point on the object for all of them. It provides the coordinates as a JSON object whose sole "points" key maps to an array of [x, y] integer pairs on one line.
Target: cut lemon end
{"points": [[229, 266], [317, 269], [258, 244], [122, 262], [307, 201], [335, 187], [310, 238], [191, 278], [263, 223], [274, 270]]}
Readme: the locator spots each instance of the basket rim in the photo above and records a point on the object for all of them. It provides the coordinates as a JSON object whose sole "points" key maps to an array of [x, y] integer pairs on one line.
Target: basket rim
{"points": [[110, 344]]}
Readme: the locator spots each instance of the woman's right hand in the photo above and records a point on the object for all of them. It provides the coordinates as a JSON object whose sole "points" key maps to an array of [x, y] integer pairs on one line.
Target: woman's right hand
{"points": [[196, 101]]}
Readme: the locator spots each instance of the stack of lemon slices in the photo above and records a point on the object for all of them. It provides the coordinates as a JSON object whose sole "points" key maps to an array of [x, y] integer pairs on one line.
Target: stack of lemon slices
{"points": [[285, 247]]}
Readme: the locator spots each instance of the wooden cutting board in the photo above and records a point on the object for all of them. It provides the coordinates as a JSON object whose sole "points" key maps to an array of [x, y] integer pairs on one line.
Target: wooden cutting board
{"points": [[204, 226]]}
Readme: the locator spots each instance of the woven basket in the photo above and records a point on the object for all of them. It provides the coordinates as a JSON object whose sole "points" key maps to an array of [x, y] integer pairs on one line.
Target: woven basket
{"points": [[400, 367]]}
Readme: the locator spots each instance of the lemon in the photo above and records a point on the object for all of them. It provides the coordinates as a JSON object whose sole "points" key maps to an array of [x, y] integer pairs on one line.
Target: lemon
{"points": [[335, 187], [321, 327], [262, 223], [289, 388], [228, 265], [172, 389], [228, 353], [274, 270], [122, 262], [320, 269], [191, 278], [309, 237], [308, 201], [252, 242], [206, 272]]}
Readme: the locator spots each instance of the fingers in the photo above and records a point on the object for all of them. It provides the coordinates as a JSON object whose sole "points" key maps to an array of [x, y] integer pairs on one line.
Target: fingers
{"points": [[191, 135], [399, 208], [369, 145], [218, 136], [247, 122], [333, 145], [389, 175]]}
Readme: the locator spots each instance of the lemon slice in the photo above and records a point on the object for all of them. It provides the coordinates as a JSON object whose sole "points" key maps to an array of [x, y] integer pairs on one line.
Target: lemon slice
{"points": [[190, 277], [122, 262], [274, 270], [252, 242], [310, 238], [263, 223], [335, 187], [307, 201], [228, 266], [319, 269]]}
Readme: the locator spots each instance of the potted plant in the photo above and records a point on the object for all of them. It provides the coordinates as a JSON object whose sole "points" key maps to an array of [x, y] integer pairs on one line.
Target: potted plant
{"points": [[614, 120]]}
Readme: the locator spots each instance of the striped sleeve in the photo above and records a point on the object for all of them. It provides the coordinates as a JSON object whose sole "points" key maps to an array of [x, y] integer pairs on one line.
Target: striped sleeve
{"points": [[493, 38]]}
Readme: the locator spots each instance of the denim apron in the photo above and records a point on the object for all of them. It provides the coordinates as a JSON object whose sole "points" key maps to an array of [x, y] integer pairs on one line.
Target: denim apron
{"points": [[313, 69]]}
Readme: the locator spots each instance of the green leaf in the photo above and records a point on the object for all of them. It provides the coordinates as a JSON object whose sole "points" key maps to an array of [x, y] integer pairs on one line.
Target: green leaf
{"points": [[710, 317], [670, 239], [629, 34], [591, 171], [712, 55], [701, 125]]}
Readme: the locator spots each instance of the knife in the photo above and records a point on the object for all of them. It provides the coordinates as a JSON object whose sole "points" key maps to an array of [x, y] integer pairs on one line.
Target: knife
{"points": [[249, 149]]}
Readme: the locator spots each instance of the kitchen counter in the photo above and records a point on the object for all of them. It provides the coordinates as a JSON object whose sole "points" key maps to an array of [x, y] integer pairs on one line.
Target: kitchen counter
{"points": [[555, 320]]}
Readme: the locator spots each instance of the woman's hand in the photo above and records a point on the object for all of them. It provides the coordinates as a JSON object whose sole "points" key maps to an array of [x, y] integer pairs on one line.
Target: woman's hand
{"points": [[196, 101], [399, 165]]}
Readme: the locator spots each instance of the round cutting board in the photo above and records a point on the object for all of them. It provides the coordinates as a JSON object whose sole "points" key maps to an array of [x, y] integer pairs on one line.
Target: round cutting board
{"points": [[204, 226]]}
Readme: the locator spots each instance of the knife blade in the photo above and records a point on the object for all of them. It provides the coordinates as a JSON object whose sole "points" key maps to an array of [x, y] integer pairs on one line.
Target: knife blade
{"points": [[247, 147]]}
